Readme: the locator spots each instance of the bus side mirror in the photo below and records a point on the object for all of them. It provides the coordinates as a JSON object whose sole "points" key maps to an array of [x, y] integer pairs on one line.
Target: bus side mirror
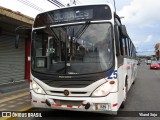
{"points": [[21, 30], [17, 41], [123, 31]]}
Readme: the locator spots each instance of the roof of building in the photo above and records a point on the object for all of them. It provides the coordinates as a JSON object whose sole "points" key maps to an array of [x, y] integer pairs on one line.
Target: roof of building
{"points": [[157, 45], [16, 15]]}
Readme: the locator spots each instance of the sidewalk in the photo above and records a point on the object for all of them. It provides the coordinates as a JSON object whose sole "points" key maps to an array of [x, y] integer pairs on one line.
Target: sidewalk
{"points": [[10, 87], [14, 97]]}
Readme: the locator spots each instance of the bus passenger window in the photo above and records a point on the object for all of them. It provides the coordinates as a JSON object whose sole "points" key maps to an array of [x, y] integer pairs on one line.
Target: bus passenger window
{"points": [[121, 43], [124, 49], [121, 47]]}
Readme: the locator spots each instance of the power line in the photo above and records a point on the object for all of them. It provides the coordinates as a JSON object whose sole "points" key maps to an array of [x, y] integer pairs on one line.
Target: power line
{"points": [[59, 3], [79, 2], [56, 3], [53, 3], [26, 2]]}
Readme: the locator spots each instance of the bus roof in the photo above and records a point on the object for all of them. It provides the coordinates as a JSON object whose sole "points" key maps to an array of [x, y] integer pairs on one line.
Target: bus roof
{"points": [[71, 14]]}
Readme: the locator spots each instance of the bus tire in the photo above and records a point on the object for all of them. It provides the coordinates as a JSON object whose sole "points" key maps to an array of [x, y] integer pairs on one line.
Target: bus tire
{"points": [[133, 82], [125, 96]]}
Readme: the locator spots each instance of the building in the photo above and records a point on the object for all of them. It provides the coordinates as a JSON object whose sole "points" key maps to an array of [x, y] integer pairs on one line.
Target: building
{"points": [[157, 49], [14, 63]]}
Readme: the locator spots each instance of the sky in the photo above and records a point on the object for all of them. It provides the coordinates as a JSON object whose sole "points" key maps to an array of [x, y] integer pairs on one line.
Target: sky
{"points": [[141, 18]]}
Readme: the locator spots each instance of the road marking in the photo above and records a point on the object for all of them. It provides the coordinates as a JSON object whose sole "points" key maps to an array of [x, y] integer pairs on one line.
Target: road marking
{"points": [[3, 109], [3, 105], [26, 109], [28, 100], [19, 99], [12, 102], [20, 103], [11, 99], [11, 106], [27, 97], [14, 97], [8, 118]]}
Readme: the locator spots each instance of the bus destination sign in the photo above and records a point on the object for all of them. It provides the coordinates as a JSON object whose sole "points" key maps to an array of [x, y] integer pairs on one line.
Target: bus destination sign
{"points": [[73, 14]]}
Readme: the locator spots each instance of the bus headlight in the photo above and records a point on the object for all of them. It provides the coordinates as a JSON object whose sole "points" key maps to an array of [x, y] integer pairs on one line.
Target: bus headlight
{"points": [[104, 89], [36, 88]]}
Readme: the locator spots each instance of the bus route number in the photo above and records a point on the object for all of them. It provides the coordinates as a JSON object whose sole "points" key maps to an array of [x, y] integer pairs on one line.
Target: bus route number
{"points": [[114, 75]]}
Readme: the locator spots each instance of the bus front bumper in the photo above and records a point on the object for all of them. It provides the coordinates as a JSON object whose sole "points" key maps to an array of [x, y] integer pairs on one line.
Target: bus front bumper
{"points": [[87, 104]]}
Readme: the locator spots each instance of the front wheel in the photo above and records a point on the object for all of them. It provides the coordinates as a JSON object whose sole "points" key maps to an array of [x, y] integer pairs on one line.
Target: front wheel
{"points": [[133, 82], [125, 97]]}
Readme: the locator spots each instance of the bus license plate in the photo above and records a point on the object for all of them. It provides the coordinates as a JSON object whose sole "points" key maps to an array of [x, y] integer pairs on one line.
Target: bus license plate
{"points": [[101, 106]]}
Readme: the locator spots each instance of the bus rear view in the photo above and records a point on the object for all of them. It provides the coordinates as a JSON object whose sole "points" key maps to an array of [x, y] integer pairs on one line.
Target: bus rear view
{"points": [[73, 60]]}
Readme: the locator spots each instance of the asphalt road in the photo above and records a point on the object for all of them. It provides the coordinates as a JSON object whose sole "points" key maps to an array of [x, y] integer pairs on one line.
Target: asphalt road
{"points": [[143, 96]]}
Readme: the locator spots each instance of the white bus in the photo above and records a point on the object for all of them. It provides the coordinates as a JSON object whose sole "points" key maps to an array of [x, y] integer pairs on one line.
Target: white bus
{"points": [[82, 59]]}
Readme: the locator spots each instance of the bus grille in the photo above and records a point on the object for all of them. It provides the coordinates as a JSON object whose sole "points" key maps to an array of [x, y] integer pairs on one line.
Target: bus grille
{"points": [[66, 102], [69, 83], [61, 92]]}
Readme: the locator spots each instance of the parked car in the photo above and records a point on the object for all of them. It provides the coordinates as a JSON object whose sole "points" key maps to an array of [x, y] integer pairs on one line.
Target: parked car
{"points": [[154, 65], [149, 62]]}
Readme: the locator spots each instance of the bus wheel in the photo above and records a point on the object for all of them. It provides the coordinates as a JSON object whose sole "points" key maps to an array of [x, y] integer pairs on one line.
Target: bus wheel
{"points": [[134, 79], [133, 82], [125, 96]]}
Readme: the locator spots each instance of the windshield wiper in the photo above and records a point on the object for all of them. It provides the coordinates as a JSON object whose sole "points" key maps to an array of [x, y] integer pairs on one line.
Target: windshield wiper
{"points": [[81, 30]]}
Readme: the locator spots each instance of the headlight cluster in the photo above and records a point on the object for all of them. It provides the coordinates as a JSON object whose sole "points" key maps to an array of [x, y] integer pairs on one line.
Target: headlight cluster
{"points": [[36, 88], [104, 89]]}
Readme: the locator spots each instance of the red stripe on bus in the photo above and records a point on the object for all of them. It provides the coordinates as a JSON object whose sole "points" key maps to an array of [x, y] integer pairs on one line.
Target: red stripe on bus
{"points": [[56, 104], [69, 106], [83, 104], [43, 102], [115, 104], [35, 101]]}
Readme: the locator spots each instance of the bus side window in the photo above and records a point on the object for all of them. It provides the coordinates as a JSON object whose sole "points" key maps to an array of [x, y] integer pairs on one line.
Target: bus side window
{"points": [[117, 41], [126, 48], [129, 48], [122, 44]]}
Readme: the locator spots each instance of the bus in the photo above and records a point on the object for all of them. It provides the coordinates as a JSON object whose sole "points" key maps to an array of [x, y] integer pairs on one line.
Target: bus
{"points": [[82, 59]]}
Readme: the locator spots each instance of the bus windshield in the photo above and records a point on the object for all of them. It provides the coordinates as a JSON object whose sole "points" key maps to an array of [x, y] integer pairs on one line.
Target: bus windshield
{"points": [[73, 49]]}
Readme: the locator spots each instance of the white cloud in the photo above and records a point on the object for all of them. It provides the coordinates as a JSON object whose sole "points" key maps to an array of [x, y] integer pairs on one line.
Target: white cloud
{"points": [[143, 13], [149, 38], [136, 43]]}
